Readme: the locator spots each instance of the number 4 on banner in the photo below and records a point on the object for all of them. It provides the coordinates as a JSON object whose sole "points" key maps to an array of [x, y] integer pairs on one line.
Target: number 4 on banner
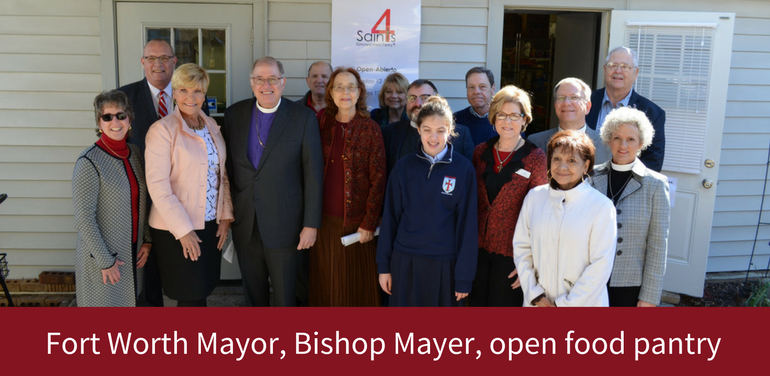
{"points": [[387, 31]]}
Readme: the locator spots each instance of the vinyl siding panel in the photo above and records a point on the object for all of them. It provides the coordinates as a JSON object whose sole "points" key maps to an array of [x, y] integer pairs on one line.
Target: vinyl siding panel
{"points": [[745, 142], [50, 71]]}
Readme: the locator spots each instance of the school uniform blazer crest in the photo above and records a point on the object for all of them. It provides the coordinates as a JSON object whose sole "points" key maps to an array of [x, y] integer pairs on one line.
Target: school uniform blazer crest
{"points": [[653, 155], [285, 193], [177, 173], [643, 212]]}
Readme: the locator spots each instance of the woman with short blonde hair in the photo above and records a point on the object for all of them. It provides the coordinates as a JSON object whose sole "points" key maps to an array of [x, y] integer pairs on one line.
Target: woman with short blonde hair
{"points": [[186, 177]]}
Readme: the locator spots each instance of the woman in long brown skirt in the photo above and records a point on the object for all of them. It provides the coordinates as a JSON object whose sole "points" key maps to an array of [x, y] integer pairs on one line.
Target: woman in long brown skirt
{"points": [[354, 188]]}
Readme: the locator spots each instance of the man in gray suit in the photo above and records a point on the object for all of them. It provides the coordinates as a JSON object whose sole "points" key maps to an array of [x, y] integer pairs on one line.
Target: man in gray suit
{"points": [[275, 166], [572, 102]]}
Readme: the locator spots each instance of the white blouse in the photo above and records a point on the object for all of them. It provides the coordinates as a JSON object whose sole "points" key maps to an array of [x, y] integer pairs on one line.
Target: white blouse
{"points": [[212, 179]]}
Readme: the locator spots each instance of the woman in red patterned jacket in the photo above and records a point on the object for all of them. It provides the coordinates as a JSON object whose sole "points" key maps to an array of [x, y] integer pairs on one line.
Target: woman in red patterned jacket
{"points": [[507, 167], [354, 188]]}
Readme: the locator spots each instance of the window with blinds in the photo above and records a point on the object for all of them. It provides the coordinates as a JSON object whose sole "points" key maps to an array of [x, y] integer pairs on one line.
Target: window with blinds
{"points": [[674, 70]]}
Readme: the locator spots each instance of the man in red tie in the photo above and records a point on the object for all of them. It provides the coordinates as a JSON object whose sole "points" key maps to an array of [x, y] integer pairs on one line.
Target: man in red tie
{"points": [[151, 96], [151, 99]]}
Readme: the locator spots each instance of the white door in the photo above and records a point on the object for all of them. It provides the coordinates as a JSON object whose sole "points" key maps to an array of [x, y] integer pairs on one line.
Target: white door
{"points": [[217, 37], [684, 61]]}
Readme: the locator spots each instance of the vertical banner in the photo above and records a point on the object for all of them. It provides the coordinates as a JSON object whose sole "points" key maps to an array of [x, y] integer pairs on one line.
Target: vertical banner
{"points": [[377, 38]]}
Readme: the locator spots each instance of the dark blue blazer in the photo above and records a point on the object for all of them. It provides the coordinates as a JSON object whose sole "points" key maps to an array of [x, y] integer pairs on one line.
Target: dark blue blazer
{"points": [[140, 97], [394, 135], [653, 156]]}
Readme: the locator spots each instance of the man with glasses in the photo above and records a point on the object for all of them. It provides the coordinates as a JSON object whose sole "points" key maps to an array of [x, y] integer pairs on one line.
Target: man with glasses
{"points": [[317, 77], [151, 96], [480, 88], [620, 71], [571, 104], [275, 166], [151, 99], [401, 138]]}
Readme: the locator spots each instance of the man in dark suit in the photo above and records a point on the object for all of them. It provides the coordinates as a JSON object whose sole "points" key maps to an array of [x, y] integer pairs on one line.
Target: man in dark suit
{"points": [[158, 61], [144, 95], [401, 138], [571, 102], [275, 166], [620, 71]]}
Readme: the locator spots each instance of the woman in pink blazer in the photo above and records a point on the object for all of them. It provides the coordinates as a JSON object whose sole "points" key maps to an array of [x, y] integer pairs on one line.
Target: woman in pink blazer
{"points": [[191, 207]]}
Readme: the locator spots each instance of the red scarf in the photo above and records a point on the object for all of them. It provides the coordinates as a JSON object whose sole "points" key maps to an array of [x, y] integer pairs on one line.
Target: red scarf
{"points": [[119, 149]]}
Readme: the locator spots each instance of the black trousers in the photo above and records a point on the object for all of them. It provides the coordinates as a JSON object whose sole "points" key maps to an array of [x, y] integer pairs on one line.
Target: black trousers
{"points": [[492, 287], [258, 263], [152, 296], [623, 296], [303, 279]]}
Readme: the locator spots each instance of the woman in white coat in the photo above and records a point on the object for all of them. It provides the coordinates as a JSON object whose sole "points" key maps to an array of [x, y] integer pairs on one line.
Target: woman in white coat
{"points": [[564, 242]]}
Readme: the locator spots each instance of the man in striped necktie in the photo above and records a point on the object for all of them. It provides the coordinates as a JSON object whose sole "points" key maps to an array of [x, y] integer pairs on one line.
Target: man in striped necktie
{"points": [[151, 100]]}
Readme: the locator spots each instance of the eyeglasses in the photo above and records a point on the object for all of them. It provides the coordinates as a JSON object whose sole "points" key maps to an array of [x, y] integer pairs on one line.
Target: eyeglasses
{"points": [[349, 88], [572, 98], [259, 81], [152, 59], [413, 98], [624, 67], [108, 117], [514, 116]]}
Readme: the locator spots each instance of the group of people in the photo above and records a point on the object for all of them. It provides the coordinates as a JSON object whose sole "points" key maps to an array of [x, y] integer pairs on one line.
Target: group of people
{"points": [[465, 205]]}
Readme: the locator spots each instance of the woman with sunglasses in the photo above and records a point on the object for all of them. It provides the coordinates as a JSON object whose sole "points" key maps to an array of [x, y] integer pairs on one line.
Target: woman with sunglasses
{"points": [[191, 207], [354, 188], [109, 195]]}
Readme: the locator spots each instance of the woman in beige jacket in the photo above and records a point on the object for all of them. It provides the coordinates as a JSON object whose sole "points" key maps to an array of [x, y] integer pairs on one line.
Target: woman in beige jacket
{"points": [[186, 178]]}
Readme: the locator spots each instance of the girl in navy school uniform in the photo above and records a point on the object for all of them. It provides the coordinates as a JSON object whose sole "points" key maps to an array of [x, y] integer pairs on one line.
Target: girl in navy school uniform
{"points": [[428, 244]]}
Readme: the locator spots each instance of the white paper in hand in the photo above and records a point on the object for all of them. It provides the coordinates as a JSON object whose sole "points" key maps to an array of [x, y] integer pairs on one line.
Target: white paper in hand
{"points": [[355, 237]]}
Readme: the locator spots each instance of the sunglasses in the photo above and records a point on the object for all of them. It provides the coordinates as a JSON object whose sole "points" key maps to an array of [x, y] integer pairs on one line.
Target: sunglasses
{"points": [[108, 117]]}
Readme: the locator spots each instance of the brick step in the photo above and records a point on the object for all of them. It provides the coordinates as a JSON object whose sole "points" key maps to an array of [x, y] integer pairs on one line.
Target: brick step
{"points": [[21, 300], [57, 278], [34, 285]]}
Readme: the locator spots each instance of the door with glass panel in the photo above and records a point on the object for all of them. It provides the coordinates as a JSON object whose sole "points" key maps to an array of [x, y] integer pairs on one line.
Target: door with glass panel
{"points": [[684, 64], [218, 37]]}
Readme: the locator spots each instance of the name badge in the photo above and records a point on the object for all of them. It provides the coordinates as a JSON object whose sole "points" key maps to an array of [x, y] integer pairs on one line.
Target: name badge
{"points": [[523, 173]]}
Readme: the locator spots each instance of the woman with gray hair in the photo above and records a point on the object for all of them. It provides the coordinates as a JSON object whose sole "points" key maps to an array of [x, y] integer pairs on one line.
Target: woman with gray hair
{"points": [[109, 195], [641, 197]]}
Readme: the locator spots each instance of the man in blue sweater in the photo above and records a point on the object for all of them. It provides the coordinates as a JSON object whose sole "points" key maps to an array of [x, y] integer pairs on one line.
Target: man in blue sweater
{"points": [[480, 86]]}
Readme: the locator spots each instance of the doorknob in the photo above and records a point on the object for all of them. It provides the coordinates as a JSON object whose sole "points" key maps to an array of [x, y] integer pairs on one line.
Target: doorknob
{"points": [[707, 183]]}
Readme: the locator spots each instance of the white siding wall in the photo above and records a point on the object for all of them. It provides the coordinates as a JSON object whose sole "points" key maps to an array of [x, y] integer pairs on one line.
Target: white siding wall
{"points": [[50, 70], [49, 74], [453, 39], [744, 150]]}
